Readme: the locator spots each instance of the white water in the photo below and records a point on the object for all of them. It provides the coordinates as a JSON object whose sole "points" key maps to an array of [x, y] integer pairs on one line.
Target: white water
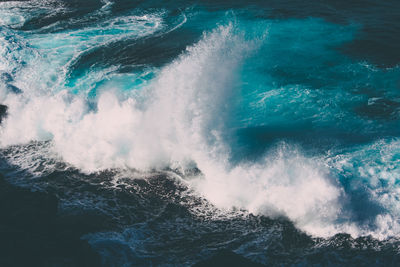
{"points": [[179, 121]]}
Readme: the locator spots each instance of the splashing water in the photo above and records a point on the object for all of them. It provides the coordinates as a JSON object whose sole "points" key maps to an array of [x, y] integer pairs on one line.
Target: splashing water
{"points": [[265, 115]]}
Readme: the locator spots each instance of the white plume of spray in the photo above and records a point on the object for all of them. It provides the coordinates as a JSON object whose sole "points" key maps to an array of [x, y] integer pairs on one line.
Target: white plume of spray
{"points": [[196, 92], [183, 121]]}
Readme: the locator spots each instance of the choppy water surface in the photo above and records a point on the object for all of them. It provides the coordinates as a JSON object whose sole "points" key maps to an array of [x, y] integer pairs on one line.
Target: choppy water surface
{"points": [[270, 128]]}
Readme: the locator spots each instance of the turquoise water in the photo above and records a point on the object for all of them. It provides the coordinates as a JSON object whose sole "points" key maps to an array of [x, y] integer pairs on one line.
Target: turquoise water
{"points": [[275, 109]]}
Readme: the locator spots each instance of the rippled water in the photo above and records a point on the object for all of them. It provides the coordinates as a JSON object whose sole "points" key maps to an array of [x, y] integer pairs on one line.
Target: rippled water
{"points": [[269, 128]]}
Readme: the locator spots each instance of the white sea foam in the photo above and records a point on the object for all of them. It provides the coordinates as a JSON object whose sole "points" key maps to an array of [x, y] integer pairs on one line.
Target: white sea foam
{"points": [[180, 121], [16, 13], [374, 169]]}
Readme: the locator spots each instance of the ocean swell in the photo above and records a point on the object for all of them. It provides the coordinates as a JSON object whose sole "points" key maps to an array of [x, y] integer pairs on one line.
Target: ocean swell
{"points": [[184, 116]]}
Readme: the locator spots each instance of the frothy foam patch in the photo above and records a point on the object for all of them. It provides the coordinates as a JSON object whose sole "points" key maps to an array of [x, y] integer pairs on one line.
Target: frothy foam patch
{"points": [[16, 13], [283, 184], [48, 65], [373, 170]]}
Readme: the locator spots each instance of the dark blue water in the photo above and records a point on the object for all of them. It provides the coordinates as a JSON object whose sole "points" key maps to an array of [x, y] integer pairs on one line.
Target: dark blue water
{"points": [[268, 128]]}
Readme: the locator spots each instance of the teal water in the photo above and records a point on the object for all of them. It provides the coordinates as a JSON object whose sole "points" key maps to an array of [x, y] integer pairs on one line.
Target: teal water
{"points": [[275, 109]]}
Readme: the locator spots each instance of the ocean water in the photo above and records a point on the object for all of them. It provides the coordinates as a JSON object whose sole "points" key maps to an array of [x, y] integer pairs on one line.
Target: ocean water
{"points": [[269, 128]]}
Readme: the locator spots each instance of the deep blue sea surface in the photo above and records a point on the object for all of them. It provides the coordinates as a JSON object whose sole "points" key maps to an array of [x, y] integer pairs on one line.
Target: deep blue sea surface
{"points": [[267, 128]]}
